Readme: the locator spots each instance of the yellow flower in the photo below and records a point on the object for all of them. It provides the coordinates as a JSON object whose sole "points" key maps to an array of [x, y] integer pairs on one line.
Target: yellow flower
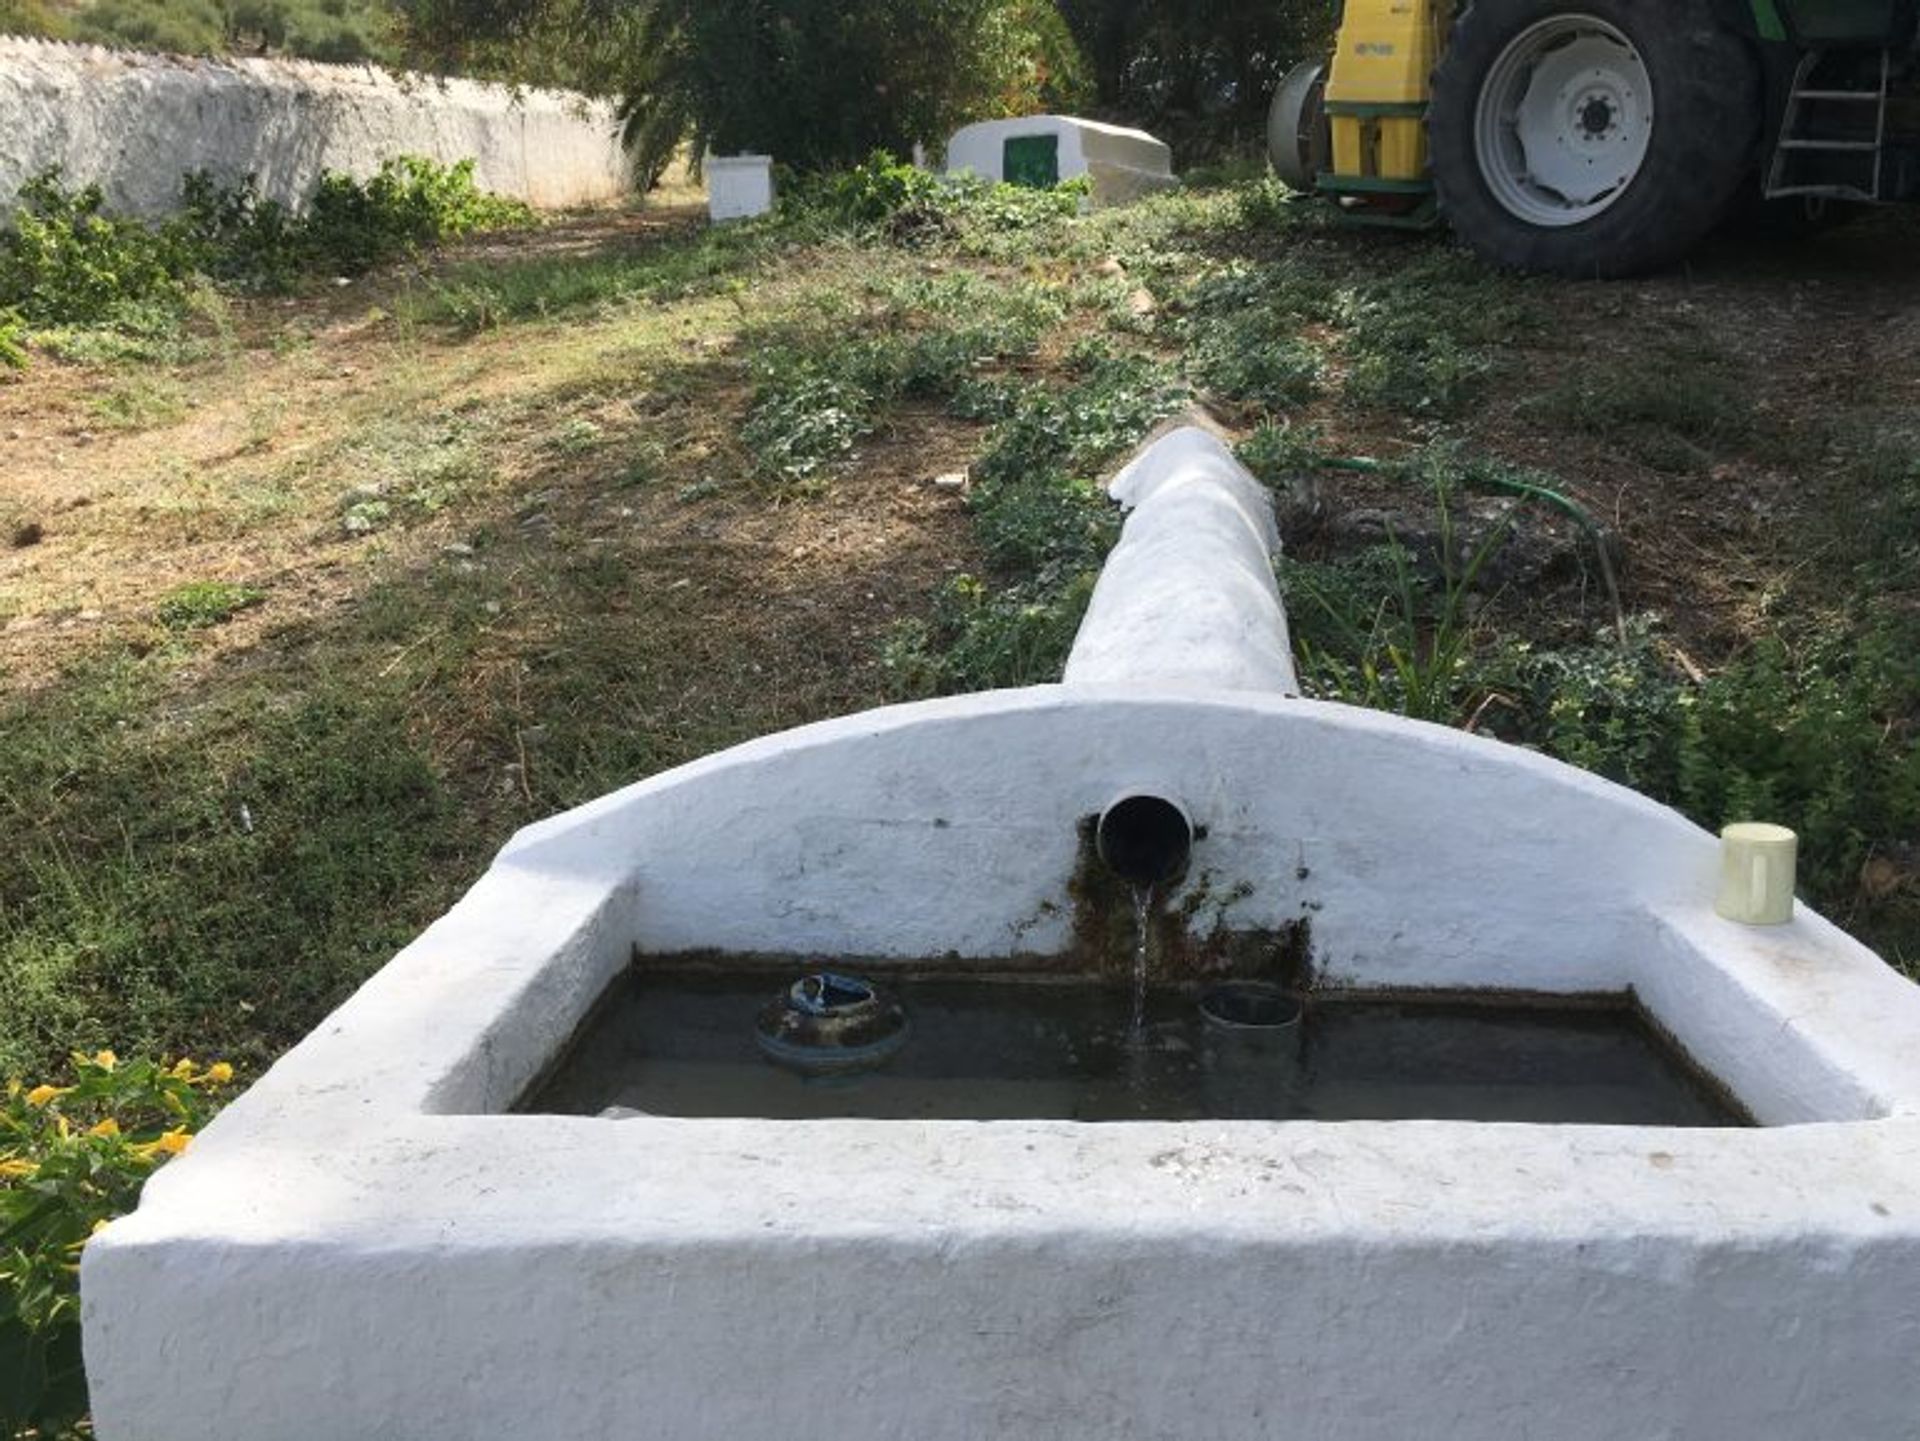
{"points": [[106, 1060], [218, 1074], [108, 1127], [41, 1095], [16, 1166], [182, 1070], [169, 1143]]}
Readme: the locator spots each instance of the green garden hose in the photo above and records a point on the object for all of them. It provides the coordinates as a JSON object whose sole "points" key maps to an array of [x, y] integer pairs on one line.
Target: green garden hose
{"points": [[1527, 490]]}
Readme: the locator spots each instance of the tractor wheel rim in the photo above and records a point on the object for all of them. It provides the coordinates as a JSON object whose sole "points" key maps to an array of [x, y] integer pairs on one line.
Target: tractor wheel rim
{"points": [[1565, 121]]}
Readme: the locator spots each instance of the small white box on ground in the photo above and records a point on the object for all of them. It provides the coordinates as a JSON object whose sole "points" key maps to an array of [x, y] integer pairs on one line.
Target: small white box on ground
{"points": [[739, 187], [1044, 150]]}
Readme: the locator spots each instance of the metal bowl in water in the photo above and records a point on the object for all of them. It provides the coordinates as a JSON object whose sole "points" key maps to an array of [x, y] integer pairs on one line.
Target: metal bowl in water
{"points": [[1250, 1051], [832, 1025], [1250, 1006]]}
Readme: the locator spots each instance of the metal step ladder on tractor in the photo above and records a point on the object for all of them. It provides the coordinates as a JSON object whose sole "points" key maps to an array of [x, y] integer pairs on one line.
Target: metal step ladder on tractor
{"points": [[1821, 155]]}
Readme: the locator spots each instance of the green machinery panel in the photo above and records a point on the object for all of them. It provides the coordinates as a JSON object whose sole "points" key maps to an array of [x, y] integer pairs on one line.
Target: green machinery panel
{"points": [[1032, 160], [1846, 22]]}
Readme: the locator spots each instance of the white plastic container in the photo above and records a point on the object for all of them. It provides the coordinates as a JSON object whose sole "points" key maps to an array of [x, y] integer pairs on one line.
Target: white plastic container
{"points": [[1757, 874], [739, 187]]}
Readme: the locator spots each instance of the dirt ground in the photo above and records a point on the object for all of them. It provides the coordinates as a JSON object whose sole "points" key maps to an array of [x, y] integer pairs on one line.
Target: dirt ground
{"points": [[1803, 339], [232, 467]]}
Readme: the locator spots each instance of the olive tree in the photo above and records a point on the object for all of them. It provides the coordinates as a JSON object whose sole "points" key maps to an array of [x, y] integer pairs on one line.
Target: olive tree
{"points": [[817, 85], [34, 17], [1204, 71], [336, 30]]}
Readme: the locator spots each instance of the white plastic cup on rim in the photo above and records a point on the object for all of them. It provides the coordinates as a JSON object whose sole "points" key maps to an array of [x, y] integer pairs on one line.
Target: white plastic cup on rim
{"points": [[1758, 866]]}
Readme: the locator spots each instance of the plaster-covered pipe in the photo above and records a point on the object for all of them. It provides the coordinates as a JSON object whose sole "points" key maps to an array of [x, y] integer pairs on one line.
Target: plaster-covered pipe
{"points": [[1188, 599]]}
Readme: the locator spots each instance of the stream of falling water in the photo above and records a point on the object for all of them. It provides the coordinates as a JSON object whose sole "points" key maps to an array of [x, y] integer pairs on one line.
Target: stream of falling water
{"points": [[1142, 937]]}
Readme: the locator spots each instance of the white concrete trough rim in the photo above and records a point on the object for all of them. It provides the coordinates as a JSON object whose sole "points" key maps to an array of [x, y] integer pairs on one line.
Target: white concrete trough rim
{"points": [[464, 1019], [367, 1242]]}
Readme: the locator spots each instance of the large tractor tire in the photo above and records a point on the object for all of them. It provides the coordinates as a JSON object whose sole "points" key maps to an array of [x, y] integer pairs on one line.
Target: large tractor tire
{"points": [[1298, 142], [1591, 138]]}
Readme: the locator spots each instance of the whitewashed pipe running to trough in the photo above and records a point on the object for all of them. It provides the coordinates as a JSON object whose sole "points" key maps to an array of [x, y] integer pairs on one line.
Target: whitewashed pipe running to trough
{"points": [[1188, 599]]}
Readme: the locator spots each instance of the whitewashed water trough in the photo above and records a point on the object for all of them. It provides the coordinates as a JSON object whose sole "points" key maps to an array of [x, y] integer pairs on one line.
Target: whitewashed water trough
{"points": [[371, 1242]]}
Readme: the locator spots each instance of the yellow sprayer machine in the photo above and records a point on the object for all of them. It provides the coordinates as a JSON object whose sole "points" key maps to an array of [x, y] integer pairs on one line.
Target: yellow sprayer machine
{"points": [[1604, 137]]}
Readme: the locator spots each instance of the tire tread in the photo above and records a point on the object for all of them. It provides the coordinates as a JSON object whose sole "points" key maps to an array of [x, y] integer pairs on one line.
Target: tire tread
{"points": [[1707, 96]]}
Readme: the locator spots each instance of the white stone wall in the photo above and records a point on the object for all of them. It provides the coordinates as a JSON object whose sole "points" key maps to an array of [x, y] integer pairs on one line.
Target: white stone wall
{"points": [[134, 124]]}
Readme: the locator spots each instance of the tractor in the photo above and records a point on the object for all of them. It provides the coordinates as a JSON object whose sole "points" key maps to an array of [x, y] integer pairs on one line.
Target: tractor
{"points": [[1598, 138]]}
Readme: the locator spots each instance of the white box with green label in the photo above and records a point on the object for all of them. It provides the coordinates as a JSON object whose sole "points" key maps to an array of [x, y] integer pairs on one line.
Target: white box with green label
{"points": [[1044, 150]]}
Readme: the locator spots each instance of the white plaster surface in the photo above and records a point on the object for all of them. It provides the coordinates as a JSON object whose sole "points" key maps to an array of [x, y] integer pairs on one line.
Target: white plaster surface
{"points": [[135, 124], [366, 1244], [1188, 598], [1123, 164]]}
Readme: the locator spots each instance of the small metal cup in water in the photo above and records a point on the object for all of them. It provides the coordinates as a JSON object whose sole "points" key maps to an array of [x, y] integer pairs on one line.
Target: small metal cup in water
{"points": [[1250, 1050]]}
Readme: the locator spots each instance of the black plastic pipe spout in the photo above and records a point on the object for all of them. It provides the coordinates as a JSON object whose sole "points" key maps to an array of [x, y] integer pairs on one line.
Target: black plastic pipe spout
{"points": [[1146, 840]]}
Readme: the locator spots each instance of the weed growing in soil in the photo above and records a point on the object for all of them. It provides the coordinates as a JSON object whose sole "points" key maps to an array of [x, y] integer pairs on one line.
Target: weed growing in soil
{"points": [[205, 603], [1404, 645], [824, 376], [1874, 516], [153, 333], [1815, 733], [1255, 356], [212, 879], [1424, 341], [13, 340], [890, 200], [1045, 524], [65, 263], [697, 261], [1672, 417], [139, 402], [800, 422], [986, 638], [882, 205], [1036, 497]]}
